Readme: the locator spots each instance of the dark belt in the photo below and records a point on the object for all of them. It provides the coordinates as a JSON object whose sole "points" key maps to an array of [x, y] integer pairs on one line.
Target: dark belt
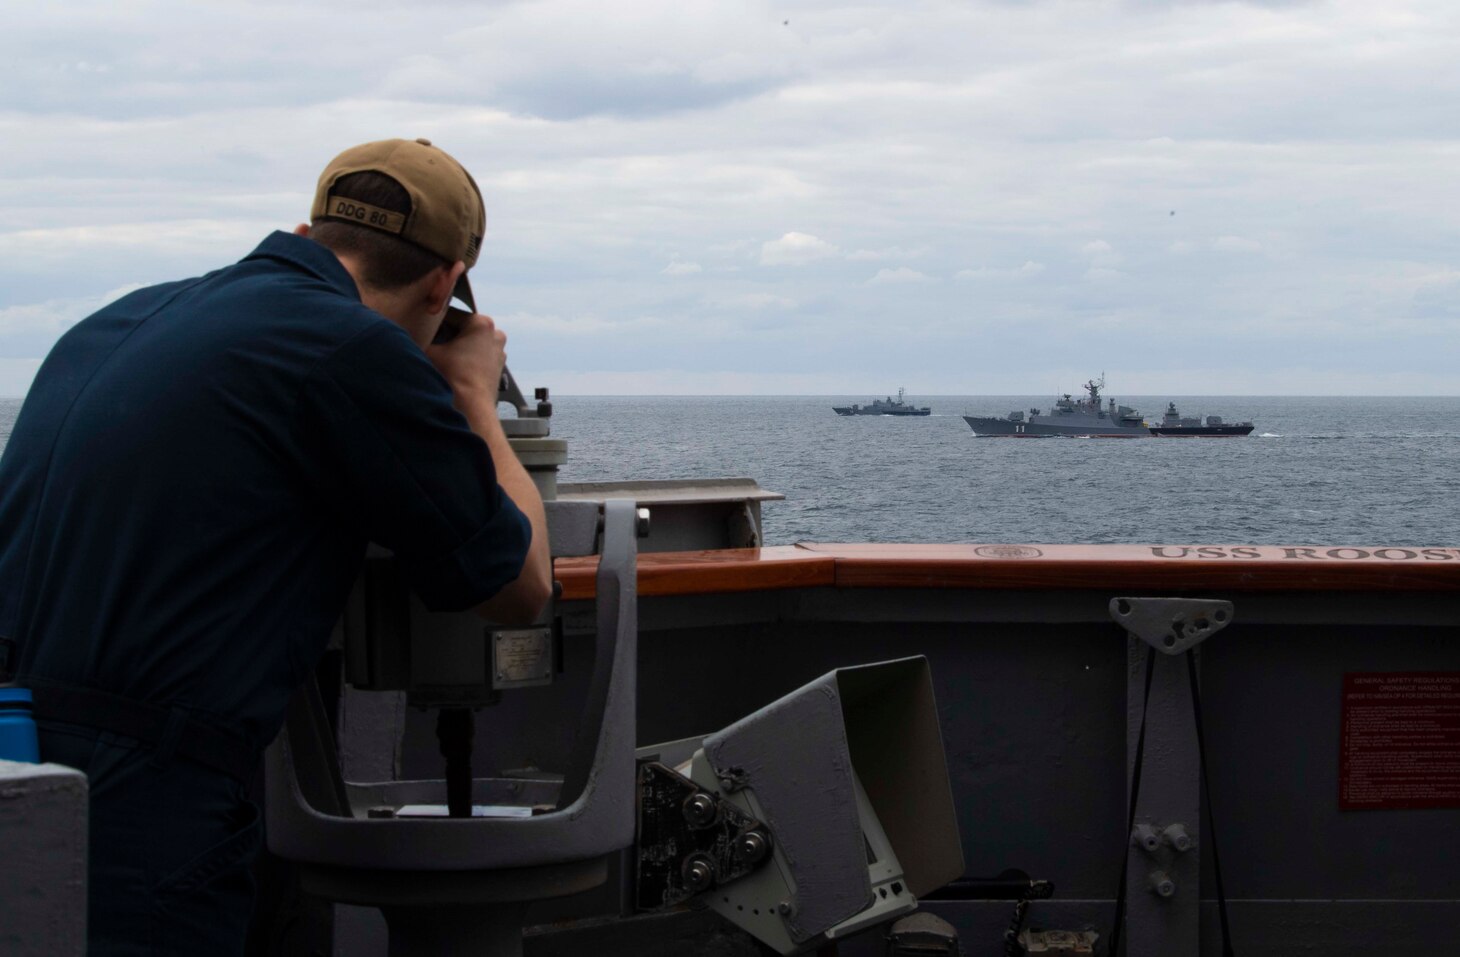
{"points": [[158, 726]]}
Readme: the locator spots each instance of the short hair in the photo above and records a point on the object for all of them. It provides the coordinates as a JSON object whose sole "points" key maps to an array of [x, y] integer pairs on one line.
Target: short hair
{"points": [[386, 261]]}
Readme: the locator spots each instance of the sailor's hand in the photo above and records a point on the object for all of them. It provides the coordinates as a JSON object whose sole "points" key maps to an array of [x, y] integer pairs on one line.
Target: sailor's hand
{"points": [[471, 358]]}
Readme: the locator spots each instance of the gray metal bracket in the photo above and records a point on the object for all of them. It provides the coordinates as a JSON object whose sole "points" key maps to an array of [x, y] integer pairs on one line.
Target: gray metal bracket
{"points": [[1171, 625], [689, 839], [575, 527], [1163, 873]]}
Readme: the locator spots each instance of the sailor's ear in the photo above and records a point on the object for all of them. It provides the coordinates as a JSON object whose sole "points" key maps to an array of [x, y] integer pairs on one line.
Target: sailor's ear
{"points": [[302, 229], [439, 285]]}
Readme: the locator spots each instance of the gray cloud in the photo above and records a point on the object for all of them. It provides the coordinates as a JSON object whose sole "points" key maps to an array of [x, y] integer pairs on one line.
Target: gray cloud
{"points": [[1033, 152]]}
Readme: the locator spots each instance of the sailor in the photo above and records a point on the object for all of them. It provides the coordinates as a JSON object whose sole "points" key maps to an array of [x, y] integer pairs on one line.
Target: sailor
{"points": [[186, 499]]}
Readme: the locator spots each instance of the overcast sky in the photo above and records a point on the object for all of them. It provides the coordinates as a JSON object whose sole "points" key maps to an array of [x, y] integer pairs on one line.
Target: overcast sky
{"points": [[799, 197]]}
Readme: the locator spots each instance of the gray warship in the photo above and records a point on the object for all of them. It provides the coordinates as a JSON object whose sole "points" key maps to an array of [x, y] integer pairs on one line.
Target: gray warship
{"points": [[1071, 417], [887, 406], [1174, 425], [1085, 417]]}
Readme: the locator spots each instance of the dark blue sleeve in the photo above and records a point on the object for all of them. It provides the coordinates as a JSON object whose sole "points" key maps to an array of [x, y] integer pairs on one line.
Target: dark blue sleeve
{"points": [[380, 438]]}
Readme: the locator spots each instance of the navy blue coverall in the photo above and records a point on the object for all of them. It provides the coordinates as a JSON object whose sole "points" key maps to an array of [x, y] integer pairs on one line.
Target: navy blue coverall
{"points": [[185, 503]]}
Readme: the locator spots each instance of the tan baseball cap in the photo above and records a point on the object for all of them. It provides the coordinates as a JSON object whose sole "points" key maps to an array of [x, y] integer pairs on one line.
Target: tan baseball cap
{"points": [[446, 217]]}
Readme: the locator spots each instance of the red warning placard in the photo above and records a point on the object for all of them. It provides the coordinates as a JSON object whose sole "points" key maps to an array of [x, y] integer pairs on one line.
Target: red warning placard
{"points": [[1400, 744]]}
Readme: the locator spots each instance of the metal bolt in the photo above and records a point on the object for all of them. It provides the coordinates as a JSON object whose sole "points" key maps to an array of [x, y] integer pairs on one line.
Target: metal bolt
{"points": [[1176, 836], [728, 784], [784, 908], [751, 847], [1145, 837], [699, 873], [1161, 884], [699, 810]]}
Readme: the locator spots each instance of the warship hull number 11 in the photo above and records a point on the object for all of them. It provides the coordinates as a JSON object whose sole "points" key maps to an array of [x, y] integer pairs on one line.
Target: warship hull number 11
{"points": [[1086, 418]]}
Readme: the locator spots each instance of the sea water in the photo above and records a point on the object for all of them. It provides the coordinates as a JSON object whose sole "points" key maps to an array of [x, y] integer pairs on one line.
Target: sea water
{"points": [[1315, 471]]}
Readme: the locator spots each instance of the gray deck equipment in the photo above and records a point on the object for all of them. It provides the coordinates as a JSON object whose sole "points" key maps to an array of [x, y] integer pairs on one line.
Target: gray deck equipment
{"points": [[459, 885]]}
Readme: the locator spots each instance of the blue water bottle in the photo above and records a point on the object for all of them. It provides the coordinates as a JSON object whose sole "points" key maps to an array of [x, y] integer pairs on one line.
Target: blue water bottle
{"points": [[17, 726]]}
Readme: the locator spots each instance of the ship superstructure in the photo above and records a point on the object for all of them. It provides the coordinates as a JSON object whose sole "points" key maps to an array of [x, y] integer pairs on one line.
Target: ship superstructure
{"points": [[1303, 696]]}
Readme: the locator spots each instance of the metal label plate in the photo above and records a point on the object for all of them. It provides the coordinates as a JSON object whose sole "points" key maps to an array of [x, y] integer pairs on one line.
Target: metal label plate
{"points": [[1400, 745], [522, 657]]}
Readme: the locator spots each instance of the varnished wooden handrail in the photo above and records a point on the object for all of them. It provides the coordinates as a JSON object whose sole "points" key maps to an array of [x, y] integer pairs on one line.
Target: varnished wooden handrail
{"points": [[709, 572], [1156, 567]]}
